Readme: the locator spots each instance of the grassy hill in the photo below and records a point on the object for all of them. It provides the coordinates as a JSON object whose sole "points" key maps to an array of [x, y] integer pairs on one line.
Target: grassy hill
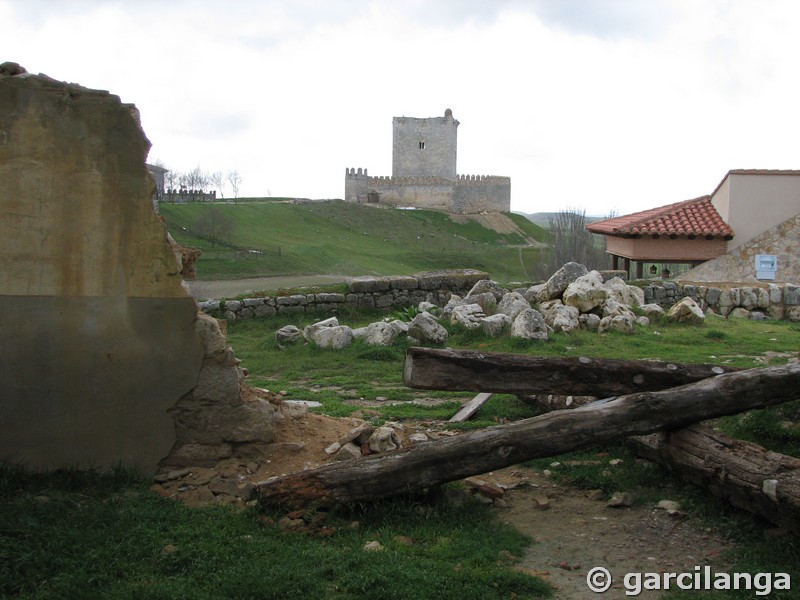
{"points": [[258, 239]]}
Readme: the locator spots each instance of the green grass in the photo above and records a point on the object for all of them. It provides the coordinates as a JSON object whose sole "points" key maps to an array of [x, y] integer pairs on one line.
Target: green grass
{"points": [[83, 535], [272, 238]]}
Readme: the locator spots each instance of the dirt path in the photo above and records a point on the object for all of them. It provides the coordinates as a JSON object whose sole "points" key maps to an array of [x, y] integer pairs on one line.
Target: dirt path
{"points": [[576, 533]]}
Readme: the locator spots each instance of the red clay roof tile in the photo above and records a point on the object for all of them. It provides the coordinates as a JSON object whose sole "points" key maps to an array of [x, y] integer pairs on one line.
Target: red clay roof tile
{"points": [[690, 217]]}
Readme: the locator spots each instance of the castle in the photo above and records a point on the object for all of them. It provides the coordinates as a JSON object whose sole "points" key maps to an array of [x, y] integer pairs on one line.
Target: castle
{"points": [[424, 173]]}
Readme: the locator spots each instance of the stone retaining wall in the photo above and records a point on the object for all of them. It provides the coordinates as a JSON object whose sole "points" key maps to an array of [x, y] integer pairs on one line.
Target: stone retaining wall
{"points": [[395, 292], [775, 301]]}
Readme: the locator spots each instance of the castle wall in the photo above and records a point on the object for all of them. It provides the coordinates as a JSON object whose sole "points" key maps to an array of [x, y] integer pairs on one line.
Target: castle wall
{"points": [[482, 193], [465, 194], [424, 147]]}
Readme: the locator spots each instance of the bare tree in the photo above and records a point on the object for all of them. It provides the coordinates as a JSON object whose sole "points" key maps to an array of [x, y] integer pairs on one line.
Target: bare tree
{"points": [[571, 242], [217, 179], [214, 225], [235, 180], [196, 179]]}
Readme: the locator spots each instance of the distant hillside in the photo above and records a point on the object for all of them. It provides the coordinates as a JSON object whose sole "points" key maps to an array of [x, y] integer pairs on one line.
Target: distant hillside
{"points": [[257, 239], [542, 219]]}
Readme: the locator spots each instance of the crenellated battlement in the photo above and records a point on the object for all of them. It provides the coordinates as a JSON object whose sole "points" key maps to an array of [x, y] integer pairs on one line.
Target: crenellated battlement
{"points": [[424, 173]]}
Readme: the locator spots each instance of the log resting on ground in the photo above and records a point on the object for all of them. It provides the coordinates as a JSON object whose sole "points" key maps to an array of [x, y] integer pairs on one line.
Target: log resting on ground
{"points": [[433, 463], [496, 372], [745, 474]]}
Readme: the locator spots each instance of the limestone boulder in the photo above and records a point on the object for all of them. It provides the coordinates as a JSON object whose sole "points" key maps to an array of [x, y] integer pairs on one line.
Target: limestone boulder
{"points": [[383, 439], [426, 306], [426, 329], [586, 292], [739, 313], [467, 315], [311, 330], [559, 316], [512, 304], [613, 308], [380, 334], [629, 295], [333, 338], [653, 310], [400, 326], [288, 334], [589, 321], [532, 293], [558, 282], [686, 310], [793, 314], [620, 323], [485, 300], [488, 286], [495, 325], [529, 325]]}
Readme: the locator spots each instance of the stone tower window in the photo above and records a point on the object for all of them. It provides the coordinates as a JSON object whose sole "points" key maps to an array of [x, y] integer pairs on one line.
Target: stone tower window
{"points": [[422, 145]]}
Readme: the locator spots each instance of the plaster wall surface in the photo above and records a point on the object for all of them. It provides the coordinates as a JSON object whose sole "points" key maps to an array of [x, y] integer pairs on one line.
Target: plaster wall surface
{"points": [[753, 203], [98, 338]]}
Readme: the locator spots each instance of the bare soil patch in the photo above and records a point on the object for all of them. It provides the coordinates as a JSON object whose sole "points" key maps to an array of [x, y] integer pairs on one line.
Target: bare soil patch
{"points": [[573, 530]]}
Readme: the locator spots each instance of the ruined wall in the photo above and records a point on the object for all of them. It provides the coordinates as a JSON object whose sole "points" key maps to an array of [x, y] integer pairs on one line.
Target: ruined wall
{"points": [[100, 338]]}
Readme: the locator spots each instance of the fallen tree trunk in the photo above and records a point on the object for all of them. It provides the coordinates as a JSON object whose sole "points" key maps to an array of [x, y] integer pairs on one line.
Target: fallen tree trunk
{"points": [[745, 474], [469, 370], [550, 434]]}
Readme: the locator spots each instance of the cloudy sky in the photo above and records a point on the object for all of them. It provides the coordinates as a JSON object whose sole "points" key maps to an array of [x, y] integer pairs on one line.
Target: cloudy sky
{"points": [[595, 105]]}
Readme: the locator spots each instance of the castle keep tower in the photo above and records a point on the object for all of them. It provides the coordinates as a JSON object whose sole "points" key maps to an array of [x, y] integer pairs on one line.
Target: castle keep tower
{"points": [[424, 147], [424, 173]]}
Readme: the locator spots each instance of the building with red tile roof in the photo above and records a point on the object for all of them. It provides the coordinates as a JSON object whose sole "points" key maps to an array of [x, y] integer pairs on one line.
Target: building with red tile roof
{"points": [[745, 204]]}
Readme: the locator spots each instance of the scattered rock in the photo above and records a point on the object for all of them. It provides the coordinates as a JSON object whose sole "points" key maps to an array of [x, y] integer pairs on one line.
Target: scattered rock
{"points": [[686, 310], [558, 282], [495, 325], [586, 292], [488, 286], [380, 334], [425, 328], [373, 546], [310, 330], [383, 439], [529, 325], [467, 315], [512, 304], [671, 506], [620, 499], [348, 451], [289, 334], [541, 502]]}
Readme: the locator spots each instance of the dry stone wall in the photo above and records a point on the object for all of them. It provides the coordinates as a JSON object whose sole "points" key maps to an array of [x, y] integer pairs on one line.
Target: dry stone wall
{"points": [[394, 292], [773, 301]]}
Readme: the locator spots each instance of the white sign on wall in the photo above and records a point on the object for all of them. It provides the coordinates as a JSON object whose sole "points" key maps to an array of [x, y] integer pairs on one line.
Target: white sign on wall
{"points": [[766, 266]]}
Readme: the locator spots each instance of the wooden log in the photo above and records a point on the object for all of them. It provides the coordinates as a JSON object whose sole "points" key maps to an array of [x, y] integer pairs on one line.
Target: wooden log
{"points": [[469, 370], [746, 475], [554, 433], [470, 408]]}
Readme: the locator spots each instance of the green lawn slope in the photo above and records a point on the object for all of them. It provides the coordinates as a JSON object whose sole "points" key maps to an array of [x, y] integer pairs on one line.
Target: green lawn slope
{"points": [[263, 239]]}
